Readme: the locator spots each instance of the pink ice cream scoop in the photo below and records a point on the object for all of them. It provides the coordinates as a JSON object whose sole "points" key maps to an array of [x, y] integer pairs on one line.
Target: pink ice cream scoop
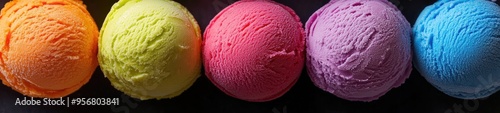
{"points": [[254, 50], [358, 49]]}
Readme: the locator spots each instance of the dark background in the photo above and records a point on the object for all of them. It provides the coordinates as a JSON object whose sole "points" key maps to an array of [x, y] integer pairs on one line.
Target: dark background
{"points": [[416, 95]]}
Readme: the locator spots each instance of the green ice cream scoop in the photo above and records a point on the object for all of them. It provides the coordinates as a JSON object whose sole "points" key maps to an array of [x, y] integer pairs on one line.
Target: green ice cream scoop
{"points": [[150, 48]]}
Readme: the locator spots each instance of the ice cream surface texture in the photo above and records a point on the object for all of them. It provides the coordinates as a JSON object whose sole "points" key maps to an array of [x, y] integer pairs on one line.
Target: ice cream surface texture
{"points": [[457, 47], [358, 49], [150, 48], [48, 47], [253, 50]]}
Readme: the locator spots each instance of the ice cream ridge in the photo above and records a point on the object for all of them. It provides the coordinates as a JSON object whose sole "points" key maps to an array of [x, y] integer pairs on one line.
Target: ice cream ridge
{"points": [[457, 47], [253, 50], [48, 47], [150, 49], [358, 49]]}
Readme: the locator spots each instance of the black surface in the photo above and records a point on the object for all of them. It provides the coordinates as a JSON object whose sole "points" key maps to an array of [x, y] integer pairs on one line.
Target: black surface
{"points": [[414, 96]]}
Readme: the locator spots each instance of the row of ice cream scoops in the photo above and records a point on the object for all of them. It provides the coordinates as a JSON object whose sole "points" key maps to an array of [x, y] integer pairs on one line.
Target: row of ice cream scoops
{"points": [[253, 50]]}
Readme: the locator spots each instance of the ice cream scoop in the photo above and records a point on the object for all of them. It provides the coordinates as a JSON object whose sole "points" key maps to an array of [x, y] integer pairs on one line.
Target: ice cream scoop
{"points": [[150, 48], [358, 49], [254, 50], [457, 47], [48, 48]]}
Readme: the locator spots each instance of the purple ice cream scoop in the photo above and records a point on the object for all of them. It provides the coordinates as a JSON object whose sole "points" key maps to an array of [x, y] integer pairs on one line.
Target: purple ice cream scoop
{"points": [[358, 49]]}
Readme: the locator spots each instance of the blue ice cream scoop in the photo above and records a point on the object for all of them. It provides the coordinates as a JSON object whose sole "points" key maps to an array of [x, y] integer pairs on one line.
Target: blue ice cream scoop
{"points": [[456, 47]]}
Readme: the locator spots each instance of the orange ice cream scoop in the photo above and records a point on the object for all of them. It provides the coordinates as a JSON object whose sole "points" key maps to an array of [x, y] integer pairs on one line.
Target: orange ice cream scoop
{"points": [[48, 48]]}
